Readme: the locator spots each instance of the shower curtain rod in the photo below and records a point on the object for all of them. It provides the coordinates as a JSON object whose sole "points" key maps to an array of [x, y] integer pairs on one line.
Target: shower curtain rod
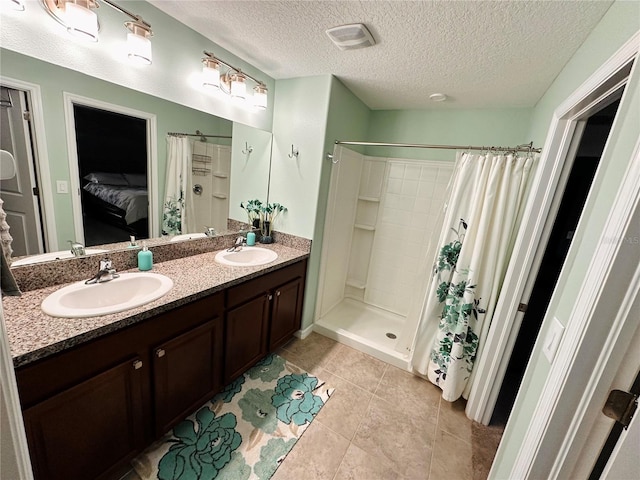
{"points": [[527, 147], [197, 134]]}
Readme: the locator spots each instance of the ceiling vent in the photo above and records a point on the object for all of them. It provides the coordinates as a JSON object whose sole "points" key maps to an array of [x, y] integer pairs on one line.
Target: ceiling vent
{"points": [[350, 37]]}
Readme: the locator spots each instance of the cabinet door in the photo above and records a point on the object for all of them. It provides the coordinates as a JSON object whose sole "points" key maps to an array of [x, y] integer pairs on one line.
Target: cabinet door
{"points": [[246, 336], [90, 428], [286, 314], [187, 372]]}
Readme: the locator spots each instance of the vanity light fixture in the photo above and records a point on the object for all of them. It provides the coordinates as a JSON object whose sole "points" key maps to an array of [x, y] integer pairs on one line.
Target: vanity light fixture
{"points": [[210, 73], [233, 82], [138, 41], [80, 20]]}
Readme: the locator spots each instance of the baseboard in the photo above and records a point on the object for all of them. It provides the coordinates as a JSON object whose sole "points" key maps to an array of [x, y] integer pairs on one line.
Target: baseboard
{"points": [[304, 333]]}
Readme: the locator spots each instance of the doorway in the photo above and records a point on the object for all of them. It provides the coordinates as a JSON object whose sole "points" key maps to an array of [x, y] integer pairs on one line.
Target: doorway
{"points": [[112, 170], [578, 184], [21, 193], [112, 173]]}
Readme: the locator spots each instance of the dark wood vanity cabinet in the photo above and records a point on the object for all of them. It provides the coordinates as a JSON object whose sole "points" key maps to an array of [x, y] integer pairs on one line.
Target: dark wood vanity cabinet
{"points": [[262, 314], [90, 409], [246, 335], [187, 371], [86, 430], [286, 312]]}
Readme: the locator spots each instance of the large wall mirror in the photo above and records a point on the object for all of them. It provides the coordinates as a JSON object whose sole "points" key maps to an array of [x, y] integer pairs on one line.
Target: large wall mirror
{"points": [[101, 137]]}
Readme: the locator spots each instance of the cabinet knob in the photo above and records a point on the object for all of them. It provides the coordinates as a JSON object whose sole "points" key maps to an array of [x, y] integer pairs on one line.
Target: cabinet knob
{"points": [[270, 297], [278, 293], [160, 353], [137, 364]]}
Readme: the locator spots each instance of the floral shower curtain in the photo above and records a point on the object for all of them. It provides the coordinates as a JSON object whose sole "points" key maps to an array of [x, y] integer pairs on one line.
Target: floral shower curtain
{"points": [[474, 247], [177, 216]]}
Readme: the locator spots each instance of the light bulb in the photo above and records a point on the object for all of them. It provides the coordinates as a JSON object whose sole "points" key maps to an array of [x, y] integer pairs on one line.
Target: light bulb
{"points": [[260, 97], [238, 86], [81, 21], [139, 48], [210, 74]]}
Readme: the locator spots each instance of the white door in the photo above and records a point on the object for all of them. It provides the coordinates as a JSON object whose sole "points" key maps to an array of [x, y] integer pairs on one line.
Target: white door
{"points": [[623, 463], [20, 199], [593, 456]]}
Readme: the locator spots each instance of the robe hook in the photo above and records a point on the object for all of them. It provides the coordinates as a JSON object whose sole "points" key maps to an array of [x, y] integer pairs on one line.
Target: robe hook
{"points": [[247, 149], [294, 152]]}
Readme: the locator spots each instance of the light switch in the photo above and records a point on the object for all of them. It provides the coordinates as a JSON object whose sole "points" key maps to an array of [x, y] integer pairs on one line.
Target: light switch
{"points": [[62, 186], [552, 339]]}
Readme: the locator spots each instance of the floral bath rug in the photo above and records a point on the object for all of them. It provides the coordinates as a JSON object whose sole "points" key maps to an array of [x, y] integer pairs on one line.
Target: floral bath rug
{"points": [[245, 432]]}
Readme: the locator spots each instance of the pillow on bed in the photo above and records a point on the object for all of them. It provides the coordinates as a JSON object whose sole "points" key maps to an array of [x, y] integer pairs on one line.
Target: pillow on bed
{"points": [[136, 179], [107, 178]]}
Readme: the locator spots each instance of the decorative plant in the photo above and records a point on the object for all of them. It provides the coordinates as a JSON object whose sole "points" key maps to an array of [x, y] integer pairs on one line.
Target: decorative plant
{"points": [[270, 211], [253, 209]]}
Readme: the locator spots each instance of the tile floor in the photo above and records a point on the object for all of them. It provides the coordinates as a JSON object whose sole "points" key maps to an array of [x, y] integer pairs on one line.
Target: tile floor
{"points": [[382, 423]]}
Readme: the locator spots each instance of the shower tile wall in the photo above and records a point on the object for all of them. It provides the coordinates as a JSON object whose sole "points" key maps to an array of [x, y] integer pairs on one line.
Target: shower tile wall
{"points": [[212, 171], [413, 195]]}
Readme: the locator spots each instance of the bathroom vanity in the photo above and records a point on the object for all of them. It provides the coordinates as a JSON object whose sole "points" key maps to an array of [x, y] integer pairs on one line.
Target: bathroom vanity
{"points": [[102, 397]]}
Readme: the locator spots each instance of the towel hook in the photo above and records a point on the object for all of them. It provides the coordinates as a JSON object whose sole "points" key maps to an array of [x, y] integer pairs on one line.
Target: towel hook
{"points": [[294, 152], [331, 157], [247, 149]]}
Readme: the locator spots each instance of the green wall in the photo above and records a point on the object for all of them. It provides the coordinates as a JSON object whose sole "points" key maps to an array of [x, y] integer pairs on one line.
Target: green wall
{"points": [[349, 117], [499, 127], [617, 26], [55, 80], [175, 73]]}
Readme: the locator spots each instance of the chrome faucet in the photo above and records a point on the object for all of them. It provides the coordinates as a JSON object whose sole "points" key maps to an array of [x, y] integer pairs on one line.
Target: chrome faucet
{"points": [[105, 274], [210, 231], [237, 246], [76, 248]]}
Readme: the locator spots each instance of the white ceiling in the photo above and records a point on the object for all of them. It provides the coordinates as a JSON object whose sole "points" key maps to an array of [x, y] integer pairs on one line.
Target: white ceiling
{"points": [[482, 54]]}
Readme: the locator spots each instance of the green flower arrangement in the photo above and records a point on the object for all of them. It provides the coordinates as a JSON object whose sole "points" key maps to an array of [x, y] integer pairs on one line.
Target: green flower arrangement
{"points": [[254, 211], [270, 211]]}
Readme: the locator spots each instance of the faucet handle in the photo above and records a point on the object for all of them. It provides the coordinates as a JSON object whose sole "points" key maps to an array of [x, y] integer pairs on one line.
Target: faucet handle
{"points": [[76, 248], [106, 264], [210, 231]]}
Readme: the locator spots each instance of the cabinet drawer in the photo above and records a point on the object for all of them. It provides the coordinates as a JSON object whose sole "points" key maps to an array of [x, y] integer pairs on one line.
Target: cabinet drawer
{"points": [[256, 287]]}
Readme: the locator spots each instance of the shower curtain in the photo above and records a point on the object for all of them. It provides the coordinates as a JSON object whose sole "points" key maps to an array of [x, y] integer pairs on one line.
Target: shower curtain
{"points": [[480, 222], [177, 216]]}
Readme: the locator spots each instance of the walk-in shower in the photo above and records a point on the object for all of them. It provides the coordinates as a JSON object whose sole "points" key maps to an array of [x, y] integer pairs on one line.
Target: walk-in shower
{"points": [[381, 213]]}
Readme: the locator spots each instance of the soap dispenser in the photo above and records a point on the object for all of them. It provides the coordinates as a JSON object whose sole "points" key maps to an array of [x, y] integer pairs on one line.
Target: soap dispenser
{"points": [[145, 259]]}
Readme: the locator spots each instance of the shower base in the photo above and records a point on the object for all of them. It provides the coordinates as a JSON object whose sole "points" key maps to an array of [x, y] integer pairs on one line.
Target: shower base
{"points": [[365, 328]]}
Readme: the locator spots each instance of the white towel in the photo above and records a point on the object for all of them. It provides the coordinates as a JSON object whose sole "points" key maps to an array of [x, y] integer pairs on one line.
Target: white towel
{"points": [[5, 236]]}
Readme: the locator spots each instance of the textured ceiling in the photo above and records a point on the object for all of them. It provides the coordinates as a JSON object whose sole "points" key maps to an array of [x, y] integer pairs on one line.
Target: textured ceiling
{"points": [[482, 54]]}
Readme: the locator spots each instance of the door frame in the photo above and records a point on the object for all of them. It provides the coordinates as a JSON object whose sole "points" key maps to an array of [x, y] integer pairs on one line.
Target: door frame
{"points": [[42, 173], [565, 122], [71, 99]]}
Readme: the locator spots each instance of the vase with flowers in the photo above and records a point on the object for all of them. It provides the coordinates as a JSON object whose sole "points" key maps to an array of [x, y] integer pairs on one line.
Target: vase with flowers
{"points": [[254, 211], [268, 213]]}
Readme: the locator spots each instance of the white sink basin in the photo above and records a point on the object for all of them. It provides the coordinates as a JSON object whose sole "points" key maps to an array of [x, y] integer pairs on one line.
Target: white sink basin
{"points": [[247, 257], [128, 291], [46, 257], [187, 236]]}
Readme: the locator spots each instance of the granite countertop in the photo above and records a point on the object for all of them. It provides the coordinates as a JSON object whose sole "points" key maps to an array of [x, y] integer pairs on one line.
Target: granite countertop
{"points": [[33, 335]]}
